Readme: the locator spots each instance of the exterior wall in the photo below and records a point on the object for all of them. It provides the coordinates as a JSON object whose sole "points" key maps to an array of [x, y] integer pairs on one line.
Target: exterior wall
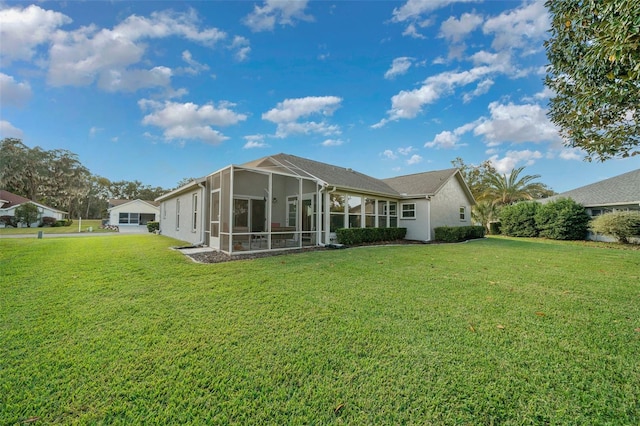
{"points": [[42, 212], [185, 229], [445, 206], [135, 206], [417, 228]]}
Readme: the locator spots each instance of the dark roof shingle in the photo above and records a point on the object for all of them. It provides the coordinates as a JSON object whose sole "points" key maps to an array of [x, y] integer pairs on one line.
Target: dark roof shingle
{"points": [[621, 189]]}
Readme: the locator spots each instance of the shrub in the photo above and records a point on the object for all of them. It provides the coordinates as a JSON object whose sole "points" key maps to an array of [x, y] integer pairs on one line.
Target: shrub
{"points": [[519, 220], [352, 236], [9, 221], [563, 219], [27, 213], [48, 221], [64, 222], [621, 225], [153, 226], [454, 234], [494, 228]]}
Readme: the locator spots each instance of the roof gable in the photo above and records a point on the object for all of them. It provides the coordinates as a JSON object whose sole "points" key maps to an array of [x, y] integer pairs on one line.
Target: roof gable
{"points": [[621, 189], [118, 202], [426, 183], [11, 199]]}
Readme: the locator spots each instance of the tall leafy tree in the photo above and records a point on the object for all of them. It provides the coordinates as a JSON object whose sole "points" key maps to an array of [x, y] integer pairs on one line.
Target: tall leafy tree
{"points": [[22, 169], [476, 176], [594, 56], [506, 189]]}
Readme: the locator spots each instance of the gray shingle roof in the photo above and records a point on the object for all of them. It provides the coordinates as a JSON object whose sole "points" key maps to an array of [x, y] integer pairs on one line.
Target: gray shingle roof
{"points": [[427, 183], [621, 189], [334, 175]]}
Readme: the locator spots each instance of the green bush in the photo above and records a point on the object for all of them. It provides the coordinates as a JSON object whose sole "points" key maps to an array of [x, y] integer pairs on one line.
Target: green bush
{"points": [[563, 219], [495, 228], [48, 221], [519, 220], [454, 234], [9, 221], [27, 213], [621, 225], [153, 226], [350, 236], [64, 222]]}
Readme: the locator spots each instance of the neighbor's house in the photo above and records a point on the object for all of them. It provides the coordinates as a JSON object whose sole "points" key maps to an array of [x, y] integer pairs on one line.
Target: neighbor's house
{"points": [[133, 212], [619, 193], [283, 201], [9, 202]]}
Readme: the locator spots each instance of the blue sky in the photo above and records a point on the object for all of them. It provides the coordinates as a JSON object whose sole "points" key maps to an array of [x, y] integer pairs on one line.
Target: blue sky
{"points": [[158, 91]]}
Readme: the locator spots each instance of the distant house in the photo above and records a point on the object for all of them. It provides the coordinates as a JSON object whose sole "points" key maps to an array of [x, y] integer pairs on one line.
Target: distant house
{"points": [[9, 202], [619, 193], [132, 212], [283, 202]]}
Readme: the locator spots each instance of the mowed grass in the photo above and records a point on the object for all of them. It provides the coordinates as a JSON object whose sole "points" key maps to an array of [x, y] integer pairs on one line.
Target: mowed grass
{"points": [[498, 331], [76, 226]]}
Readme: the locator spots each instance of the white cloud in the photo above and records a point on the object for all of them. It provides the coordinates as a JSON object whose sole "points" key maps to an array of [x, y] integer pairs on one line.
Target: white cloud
{"points": [[22, 30], [513, 158], [413, 9], [287, 112], [409, 103], [281, 12], [80, 57], [482, 88], [415, 159], [517, 124], [194, 67], [412, 31], [455, 30], [8, 130], [181, 121], [388, 153], [332, 142], [94, 131], [518, 27], [399, 66], [13, 93], [572, 154], [406, 151], [444, 140], [254, 141], [241, 46]]}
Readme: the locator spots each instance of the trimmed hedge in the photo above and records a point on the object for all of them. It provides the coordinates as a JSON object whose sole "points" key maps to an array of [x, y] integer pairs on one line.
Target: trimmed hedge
{"points": [[350, 236], [563, 219], [153, 226], [621, 225], [519, 220], [455, 234]]}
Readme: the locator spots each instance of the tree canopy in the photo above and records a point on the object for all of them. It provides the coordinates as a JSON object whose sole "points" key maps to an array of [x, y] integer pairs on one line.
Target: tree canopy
{"points": [[594, 70]]}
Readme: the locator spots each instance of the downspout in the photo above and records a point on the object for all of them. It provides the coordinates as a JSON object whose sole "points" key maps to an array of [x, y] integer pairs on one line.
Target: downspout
{"points": [[428, 218], [202, 231], [327, 216]]}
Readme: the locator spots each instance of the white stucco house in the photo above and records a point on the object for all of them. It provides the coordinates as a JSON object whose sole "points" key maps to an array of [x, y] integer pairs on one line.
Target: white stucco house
{"points": [[132, 212], [283, 201], [9, 202]]}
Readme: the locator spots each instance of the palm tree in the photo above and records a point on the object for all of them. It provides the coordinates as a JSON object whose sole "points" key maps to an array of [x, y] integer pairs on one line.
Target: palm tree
{"points": [[507, 189], [485, 212]]}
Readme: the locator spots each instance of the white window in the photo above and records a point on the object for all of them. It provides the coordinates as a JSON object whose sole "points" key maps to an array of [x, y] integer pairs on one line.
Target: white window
{"points": [[408, 210], [463, 213]]}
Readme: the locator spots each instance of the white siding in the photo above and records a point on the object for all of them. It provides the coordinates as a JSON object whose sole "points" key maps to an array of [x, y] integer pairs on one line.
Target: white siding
{"points": [[135, 206], [417, 229], [184, 231], [445, 206]]}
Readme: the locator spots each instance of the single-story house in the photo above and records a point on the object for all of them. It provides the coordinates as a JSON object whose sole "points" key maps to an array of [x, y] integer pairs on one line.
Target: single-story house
{"points": [[283, 201], [133, 212], [619, 193], [9, 202]]}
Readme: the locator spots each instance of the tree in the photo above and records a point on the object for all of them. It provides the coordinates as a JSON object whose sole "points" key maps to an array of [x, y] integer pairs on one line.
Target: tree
{"points": [[485, 212], [506, 189], [594, 56], [476, 177], [27, 213], [22, 169]]}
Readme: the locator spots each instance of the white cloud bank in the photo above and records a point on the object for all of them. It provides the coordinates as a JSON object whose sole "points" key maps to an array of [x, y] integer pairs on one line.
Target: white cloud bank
{"points": [[272, 12], [13, 93], [184, 121], [287, 113]]}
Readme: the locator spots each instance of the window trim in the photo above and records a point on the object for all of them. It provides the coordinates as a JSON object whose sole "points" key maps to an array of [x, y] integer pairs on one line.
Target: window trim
{"points": [[194, 217], [411, 210], [462, 213]]}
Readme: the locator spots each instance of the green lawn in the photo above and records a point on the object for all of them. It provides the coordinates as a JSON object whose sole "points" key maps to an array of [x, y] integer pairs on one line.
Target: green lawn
{"points": [[94, 224], [497, 331]]}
